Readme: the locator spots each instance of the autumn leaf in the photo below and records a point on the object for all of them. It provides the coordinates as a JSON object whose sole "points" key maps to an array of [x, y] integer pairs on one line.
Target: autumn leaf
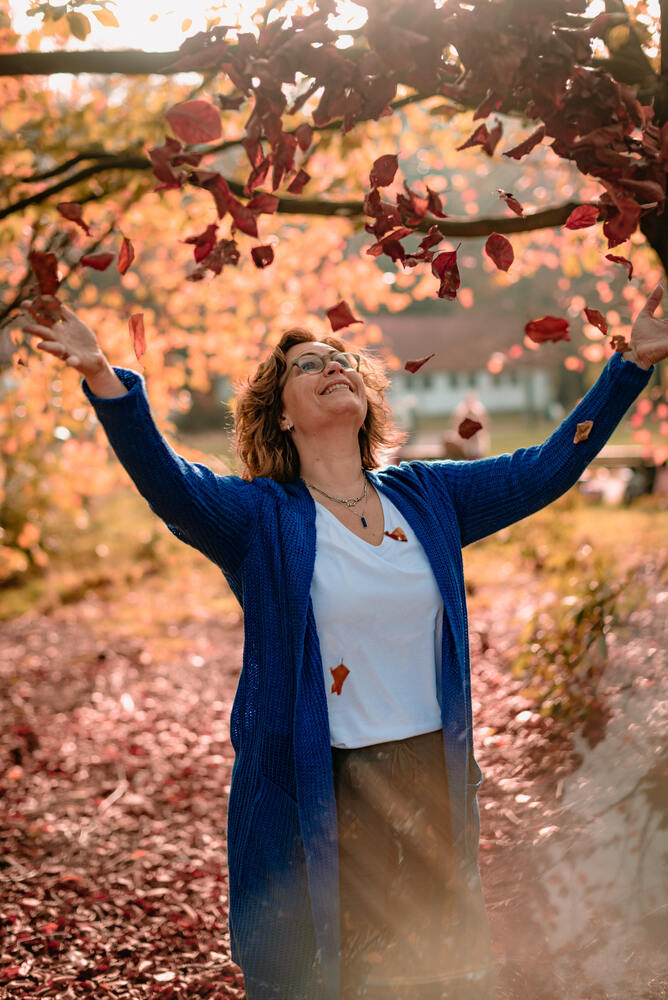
{"points": [[500, 250], [298, 183], [340, 316], [468, 428], [619, 343], [304, 136], [397, 534], [582, 217], [98, 261], [79, 25], [546, 328], [623, 261], [195, 122], [512, 203], [414, 366], [73, 212], [45, 269], [582, 431], [483, 137], [597, 318], [136, 325], [339, 674], [383, 170], [444, 266], [106, 17], [524, 147], [126, 255], [262, 256], [204, 242]]}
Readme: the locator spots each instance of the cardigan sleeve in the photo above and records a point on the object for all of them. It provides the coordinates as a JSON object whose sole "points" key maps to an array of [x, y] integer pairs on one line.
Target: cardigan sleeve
{"points": [[213, 513], [490, 493]]}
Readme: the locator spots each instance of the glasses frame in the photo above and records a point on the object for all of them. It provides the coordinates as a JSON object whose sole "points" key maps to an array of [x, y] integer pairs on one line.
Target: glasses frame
{"points": [[329, 355]]}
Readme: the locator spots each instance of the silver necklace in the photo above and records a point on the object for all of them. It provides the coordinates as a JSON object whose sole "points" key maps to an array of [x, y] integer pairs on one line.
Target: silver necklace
{"points": [[349, 502]]}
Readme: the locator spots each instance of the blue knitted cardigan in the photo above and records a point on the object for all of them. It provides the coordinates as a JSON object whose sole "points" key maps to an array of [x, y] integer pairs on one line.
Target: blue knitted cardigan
{"points": [[282, 827]]}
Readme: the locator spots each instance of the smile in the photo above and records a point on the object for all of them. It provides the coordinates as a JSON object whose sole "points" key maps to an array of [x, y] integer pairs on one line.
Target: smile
{"points": [[337, 385]]}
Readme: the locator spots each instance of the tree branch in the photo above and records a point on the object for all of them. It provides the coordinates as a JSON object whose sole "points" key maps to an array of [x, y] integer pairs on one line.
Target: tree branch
{"points": [[130, 62]]}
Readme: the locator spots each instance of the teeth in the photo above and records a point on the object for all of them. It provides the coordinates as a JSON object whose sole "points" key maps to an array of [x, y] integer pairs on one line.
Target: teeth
{"points": [[333, 387]]}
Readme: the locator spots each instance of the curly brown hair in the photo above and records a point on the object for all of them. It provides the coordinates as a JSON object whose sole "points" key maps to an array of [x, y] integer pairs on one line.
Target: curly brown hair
{"points": [[266, 450]]}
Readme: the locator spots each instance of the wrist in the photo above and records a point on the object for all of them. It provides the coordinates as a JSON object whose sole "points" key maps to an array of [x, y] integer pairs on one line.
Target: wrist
{"points": [[630, 356]]}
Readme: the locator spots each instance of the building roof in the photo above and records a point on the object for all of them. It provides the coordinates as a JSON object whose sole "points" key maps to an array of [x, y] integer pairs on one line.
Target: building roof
{"points": [[464, 343]]}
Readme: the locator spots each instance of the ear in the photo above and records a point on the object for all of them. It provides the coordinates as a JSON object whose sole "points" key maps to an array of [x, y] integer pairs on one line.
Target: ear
{"points": [[285, 423]]}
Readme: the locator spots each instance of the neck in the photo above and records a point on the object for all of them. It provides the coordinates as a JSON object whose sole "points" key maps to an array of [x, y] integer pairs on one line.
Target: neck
{"points": [[333, 463]]}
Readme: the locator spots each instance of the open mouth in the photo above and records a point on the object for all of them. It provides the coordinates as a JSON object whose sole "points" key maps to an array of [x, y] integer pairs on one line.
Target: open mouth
{"points": [[335, 387]]}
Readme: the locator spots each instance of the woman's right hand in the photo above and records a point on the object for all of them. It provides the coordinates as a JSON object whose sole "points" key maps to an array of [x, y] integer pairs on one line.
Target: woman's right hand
{"points": [[70, 340]]}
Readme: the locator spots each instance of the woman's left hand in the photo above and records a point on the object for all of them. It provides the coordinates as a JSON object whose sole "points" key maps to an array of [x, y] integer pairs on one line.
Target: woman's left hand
{"points": [[649, 336]]}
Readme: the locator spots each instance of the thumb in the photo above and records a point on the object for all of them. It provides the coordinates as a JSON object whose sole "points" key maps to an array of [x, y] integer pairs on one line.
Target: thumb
{"points": [[653, 301]]}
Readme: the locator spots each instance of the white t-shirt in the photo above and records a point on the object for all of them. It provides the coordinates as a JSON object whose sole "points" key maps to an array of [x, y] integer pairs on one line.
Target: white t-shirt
{"points": [[378, 611]]}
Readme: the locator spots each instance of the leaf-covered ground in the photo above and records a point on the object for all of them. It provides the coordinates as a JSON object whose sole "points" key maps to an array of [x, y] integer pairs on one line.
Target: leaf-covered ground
{"points": [[115, 769]]}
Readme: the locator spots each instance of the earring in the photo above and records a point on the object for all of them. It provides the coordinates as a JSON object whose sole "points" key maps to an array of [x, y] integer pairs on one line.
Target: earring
{"points": [[288, 427]]}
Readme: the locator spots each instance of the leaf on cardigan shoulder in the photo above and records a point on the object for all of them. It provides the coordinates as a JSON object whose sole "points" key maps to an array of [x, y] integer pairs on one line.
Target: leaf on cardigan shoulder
{"points": [[339, 674], [398, 535], [582, 431]]}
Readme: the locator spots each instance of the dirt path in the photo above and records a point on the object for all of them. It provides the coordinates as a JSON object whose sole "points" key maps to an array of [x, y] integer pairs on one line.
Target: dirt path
{"points": [[116, 765]]}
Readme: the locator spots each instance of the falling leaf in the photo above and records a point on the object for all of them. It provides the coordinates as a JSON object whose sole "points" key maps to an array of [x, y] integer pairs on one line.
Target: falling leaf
{"points": [[551, 328], [623, 261], [230, 102], [582, 217], [483, 137], [339, 674], [512, 203], [98, 261], [597, 319], [397, 534], [582, 431], [468, 428], [619, 343], [79, 25], [413, 366], [340, 316], [524, 147], [500, 250], [136, 325], [106, 17], [194, 122], [126, 255], [444, 266], [262, 256], [45, 269], [263, 204], [73, 212], [304, 136], [383, 170], [204, 242]]}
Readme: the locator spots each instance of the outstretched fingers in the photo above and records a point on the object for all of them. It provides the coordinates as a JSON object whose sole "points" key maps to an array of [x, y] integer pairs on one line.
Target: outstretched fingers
{"points": [[653, 301]]}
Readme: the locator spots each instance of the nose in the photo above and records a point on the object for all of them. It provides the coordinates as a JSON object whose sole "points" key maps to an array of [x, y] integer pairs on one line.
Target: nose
{"points": [[330, 366]]}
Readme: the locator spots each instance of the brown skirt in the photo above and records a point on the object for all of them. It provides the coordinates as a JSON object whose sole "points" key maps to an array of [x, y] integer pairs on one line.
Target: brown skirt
{"points": [[413, 921]]}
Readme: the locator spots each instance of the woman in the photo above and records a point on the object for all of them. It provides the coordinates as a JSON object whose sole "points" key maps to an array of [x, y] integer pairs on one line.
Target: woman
{"points": [[353, 820]]}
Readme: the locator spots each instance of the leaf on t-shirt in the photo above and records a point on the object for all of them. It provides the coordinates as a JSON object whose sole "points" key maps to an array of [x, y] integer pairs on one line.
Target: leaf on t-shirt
{"points": [[339, 674], [398, 535], [582, 431]]}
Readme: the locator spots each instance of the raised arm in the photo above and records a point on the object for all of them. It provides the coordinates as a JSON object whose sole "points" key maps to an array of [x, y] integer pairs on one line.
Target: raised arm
{"points": [[489, 494], [215, 514]]}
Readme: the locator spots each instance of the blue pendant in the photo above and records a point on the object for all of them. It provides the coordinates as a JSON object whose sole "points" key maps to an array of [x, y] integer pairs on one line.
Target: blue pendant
{"points": [[364, 524]]}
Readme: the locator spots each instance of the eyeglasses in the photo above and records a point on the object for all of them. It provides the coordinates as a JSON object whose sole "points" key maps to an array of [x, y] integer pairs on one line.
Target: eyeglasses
{"points": [[312, 364]]}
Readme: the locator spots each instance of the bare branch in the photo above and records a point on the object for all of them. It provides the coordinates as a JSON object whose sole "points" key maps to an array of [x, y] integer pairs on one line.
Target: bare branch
{"points": [[130, 62]]}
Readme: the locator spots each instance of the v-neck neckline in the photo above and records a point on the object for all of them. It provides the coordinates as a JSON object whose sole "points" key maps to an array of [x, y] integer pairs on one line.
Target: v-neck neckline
{"points": [[349, 530]]}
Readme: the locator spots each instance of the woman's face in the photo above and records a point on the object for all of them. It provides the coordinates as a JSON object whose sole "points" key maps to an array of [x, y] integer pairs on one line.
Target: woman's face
{"points": [[316, 399]]}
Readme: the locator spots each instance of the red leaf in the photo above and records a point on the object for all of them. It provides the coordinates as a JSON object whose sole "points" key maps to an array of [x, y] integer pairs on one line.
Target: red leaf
{"points": [[623, 261], [490, 102], [413, 366], [263, 204], [582, 217], [398, 534], [483, 137], [444, 266], [73, 212], [524, 147], [195, 121], [597, 319], [383, 170], [229, 102], [98, 261], [136, 325], [339, 674], [45, 269], [551, 328], [435, 204], [468, 428], [512, 203], [125, 256], [304, 136], [262, 256], [619, 343], [204, 242], [500, 250], [298, 183], [340, 316], [582, 431]]}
